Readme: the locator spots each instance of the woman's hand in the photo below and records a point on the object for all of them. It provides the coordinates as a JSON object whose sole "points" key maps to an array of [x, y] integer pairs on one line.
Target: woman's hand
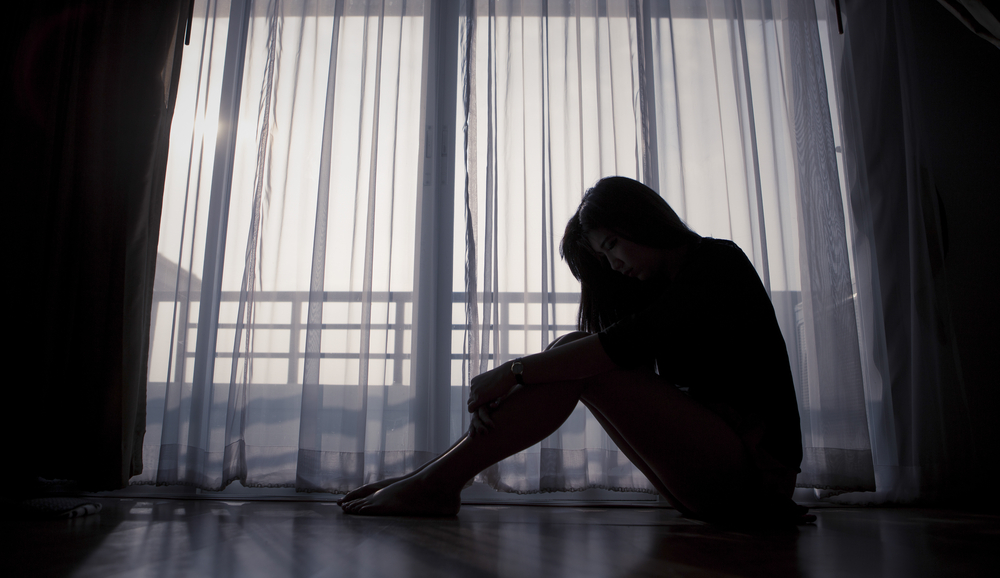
{"points": [[489, 388], [481, 423], [573, 356]]}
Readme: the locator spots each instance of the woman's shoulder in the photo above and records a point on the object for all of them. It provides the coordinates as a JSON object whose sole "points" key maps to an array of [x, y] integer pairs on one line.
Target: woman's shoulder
{"points": [[714, 250], [718, 264], [713, 244]]}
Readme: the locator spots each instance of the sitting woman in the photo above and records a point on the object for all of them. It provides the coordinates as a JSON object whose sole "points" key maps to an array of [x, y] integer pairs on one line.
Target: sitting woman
{"points": [[679, 357]]}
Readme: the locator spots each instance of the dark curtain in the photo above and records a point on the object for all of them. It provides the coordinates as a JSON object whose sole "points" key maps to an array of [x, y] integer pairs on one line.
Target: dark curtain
{"points": [[92, 86]]}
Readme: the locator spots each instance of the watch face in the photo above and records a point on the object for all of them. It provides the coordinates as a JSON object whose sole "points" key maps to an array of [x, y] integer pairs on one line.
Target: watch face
{"points": [[517, 368]]}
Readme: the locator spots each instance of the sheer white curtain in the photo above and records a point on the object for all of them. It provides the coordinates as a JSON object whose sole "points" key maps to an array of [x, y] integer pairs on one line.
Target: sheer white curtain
{"points": [[284, 312], [332, 272]]}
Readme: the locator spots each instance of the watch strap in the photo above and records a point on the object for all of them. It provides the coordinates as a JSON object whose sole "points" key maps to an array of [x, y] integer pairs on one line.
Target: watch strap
{"points": [[517, 368]]}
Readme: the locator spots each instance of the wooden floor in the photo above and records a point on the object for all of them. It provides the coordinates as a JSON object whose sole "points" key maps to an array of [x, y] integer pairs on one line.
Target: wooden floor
{"points": [[168, 537]]}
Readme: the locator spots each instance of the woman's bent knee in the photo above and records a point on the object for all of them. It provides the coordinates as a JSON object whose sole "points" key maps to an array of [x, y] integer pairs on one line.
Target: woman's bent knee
{"points": [[568, 338]]}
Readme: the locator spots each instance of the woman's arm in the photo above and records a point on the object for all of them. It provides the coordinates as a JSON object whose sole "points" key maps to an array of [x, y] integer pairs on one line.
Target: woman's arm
{"points": [[577, 359]]}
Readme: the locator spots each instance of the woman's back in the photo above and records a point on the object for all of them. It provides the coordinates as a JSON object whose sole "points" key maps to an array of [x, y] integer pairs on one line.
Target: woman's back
{"points": [[713, 333]]}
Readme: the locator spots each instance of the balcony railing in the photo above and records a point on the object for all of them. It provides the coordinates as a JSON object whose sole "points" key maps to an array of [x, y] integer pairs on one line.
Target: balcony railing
{"points": [[397, 324]]}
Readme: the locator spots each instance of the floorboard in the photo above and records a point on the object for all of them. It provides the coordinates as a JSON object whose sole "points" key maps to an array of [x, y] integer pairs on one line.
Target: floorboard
{"points": [[169, 537]]}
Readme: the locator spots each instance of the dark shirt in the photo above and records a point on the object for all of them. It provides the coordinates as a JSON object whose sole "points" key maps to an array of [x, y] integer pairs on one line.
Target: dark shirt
{"points": [[713, 332]]}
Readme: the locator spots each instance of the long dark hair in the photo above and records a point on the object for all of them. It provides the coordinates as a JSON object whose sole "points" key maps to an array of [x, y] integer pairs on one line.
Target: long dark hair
{"points": [[635, 212]]}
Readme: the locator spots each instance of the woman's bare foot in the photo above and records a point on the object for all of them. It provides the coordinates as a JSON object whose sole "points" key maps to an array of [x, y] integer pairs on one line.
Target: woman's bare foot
{"points": [[410, 496], [369, 489]]}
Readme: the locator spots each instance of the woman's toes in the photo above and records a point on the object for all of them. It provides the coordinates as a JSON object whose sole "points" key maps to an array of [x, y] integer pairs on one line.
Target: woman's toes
{"points": [[355, 506]]}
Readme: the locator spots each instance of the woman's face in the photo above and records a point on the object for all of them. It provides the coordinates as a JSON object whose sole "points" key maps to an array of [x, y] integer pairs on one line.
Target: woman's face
{"points": [[626, 257]]}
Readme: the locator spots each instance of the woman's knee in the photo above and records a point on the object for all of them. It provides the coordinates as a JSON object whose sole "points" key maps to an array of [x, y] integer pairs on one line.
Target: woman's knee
{"points": [[568, 338]]}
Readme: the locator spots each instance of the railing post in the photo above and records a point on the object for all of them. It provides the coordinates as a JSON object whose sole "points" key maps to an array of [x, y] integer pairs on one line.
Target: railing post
{"points": [[503, 347], [293, 338], [399, 333]]}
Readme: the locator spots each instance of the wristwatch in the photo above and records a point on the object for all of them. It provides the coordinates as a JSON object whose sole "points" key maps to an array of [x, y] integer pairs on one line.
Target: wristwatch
{"points": [[517, 368]]}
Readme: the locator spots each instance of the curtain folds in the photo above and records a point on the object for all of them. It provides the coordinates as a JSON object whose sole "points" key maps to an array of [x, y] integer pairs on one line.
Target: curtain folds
{"points": [[91, 89], [331, 272], [929, 417], [978, 17]]}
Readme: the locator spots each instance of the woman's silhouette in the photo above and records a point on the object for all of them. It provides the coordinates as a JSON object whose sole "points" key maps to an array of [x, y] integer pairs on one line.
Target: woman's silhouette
{"points": [[678, 356]]}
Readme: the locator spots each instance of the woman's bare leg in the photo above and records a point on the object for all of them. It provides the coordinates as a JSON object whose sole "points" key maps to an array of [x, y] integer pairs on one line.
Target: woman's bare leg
{"points": [[521, 421], [369, 489], [691, 453], [633, 456], [688, 452]]}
